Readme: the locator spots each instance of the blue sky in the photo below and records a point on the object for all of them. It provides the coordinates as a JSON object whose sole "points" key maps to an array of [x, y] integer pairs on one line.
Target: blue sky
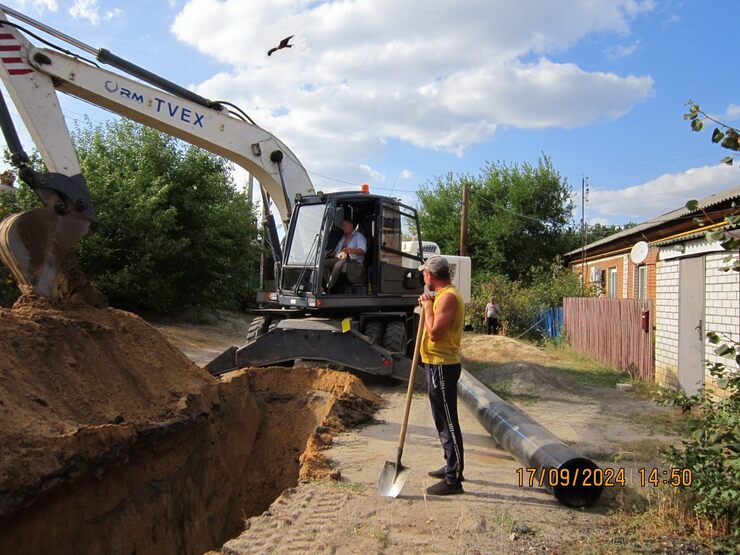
{"points": [[396, 92]]}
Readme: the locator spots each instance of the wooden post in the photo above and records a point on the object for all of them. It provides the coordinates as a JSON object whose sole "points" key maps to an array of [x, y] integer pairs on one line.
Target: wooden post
{"points": [[464, 219]]}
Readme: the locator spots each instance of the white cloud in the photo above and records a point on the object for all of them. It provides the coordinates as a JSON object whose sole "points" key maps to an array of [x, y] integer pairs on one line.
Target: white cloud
{"points": [[663, 194], [363, 72], [38, 5], [598, 221], [86, 9], [372, 173], [407, 174], [731, 113], [112, 14], [89, 9], [619, 51]]}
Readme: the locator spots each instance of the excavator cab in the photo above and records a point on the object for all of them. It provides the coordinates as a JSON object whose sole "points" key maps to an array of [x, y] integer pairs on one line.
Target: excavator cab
{"points": [[389, 276]]}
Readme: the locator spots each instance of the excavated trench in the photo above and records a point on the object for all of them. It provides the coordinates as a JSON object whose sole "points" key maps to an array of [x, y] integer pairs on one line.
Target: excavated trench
{"points": [[111, 441]]}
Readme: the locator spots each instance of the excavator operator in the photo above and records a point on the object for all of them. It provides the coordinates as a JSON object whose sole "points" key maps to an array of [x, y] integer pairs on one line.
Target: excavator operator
{"points": [[347, 257]]}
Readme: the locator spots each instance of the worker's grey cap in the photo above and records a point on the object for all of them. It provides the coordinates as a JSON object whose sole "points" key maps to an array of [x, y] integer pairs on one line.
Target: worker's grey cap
{"points": [[437, 265]]}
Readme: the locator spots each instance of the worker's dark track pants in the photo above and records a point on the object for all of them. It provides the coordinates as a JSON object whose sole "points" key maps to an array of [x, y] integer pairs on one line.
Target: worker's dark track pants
{"points": [[442, 386]]}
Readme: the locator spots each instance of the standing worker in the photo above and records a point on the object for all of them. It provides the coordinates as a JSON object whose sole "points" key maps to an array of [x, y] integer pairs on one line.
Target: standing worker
{"points": [[444, 318], [491, 316]]}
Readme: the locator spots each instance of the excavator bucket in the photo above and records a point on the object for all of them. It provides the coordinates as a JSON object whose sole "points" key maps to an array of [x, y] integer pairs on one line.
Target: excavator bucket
{"points": [[36, 246]]}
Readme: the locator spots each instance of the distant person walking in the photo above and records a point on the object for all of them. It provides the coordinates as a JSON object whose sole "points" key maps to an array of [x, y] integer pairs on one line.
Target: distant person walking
{"points": [[444, 318], [491, 316]]}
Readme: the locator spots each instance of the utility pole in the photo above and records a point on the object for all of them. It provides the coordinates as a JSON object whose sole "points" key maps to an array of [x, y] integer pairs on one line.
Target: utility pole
{"points": [[464, 219], [584, 200]]}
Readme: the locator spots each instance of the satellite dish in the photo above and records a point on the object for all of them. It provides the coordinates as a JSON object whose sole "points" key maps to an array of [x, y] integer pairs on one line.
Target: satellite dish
{"points": [[639, 252]]}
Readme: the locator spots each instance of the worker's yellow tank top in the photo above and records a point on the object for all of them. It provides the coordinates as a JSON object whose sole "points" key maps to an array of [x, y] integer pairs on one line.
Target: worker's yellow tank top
{"points": [[447, 349]]}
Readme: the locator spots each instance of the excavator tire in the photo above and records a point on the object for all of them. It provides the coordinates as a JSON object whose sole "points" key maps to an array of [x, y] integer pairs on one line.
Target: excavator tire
{"points": [[257, 327], [394, 338], [374, 330]]}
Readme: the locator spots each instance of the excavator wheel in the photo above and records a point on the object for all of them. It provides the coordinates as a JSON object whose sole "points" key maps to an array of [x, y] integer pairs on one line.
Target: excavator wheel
{"points": [[374, 330], [257, 327], [37, 246], [394, 338]]}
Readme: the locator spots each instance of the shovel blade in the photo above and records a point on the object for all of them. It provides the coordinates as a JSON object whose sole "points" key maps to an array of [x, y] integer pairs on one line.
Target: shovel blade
{"points": [[392, 479]]}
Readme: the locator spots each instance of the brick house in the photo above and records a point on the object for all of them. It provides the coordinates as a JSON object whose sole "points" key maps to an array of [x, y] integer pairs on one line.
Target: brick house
{"points": [[678, 269]]}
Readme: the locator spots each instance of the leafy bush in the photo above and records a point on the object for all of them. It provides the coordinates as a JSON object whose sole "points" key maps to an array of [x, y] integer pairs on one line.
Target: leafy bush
{"points": [[521, 304], [712, 452], [173, 229]]}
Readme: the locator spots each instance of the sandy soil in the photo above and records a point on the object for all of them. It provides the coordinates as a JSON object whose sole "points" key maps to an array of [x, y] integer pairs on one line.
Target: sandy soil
{"points": [[496, 515], [113, 441]]}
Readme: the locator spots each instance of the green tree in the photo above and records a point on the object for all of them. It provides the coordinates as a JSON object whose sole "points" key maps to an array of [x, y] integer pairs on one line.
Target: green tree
{"points": [[518, 216], [173, 229]]}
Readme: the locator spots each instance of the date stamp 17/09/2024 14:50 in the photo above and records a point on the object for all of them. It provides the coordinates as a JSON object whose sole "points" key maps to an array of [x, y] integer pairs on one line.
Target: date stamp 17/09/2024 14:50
{"points": [[598, 477]]}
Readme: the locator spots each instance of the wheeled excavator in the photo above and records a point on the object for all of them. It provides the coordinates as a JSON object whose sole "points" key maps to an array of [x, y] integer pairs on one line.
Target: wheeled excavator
{"points": [[367, 326]]}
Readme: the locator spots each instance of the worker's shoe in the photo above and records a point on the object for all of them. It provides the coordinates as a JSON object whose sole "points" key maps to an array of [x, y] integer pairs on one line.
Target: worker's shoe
{"points": [[443, 487], [440, 473]]}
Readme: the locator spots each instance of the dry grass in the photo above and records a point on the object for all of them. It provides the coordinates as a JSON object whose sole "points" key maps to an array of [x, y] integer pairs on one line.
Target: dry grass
{"points": [[655, 520]]}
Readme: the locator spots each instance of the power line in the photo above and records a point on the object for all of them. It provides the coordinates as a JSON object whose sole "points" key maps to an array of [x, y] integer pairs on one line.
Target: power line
{"points": [[510, 210], [355, 184], [642, 165]]}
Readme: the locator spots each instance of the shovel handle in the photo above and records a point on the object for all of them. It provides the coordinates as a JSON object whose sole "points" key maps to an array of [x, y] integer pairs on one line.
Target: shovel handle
{"points": [[410, 390]]}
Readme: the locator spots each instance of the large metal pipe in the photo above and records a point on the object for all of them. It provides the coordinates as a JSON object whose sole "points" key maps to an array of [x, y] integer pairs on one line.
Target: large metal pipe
{"points": [[532, 445]]}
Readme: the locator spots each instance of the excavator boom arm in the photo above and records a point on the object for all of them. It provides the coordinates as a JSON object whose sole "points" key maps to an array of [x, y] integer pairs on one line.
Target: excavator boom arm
{"points": [[33, 75]]}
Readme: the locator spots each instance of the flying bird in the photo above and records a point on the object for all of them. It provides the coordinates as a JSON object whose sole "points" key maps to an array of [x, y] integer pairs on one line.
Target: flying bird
{"points": [[283, 44]]}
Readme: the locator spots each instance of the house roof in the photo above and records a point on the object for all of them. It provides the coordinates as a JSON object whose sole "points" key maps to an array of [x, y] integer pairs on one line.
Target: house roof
{"points": [[673, 216]]}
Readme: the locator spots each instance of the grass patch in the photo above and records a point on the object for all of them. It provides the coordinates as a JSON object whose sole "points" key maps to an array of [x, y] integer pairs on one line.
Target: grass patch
{"points": [[503, 389], [643, 389], [640, 450], [355, 487], [653, 520], [595, 377], [662, 421], [583, 368], [474, 367], [502, 521]]}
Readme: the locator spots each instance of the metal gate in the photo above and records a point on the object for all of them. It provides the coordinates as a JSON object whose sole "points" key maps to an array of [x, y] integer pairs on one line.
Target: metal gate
{"points": [[610, 330]]}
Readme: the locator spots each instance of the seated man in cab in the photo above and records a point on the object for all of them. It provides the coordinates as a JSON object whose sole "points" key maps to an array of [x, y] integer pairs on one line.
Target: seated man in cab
{"points": [[347, 257]]}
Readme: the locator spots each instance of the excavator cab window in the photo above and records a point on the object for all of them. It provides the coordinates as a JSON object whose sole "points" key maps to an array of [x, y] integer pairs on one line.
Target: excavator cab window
{"points": [[304, 242], [398, 268]]}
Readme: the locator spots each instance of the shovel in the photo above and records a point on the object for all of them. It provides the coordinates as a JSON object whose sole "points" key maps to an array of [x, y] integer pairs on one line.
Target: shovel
{"points": [[394, 475]]}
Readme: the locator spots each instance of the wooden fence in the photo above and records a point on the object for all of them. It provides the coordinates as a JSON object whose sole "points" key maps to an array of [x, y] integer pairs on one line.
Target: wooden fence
{"points": [[609, 330]]}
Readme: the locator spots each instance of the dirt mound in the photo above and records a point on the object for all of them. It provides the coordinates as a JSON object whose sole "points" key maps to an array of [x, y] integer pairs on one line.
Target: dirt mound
{"points": [[498, 348], [76, 379], [113, 441], [527, 381]]}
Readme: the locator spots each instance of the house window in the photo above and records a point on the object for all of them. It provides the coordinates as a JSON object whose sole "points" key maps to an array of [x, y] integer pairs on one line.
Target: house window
{"points": [[612, 283], [641, 282]]}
